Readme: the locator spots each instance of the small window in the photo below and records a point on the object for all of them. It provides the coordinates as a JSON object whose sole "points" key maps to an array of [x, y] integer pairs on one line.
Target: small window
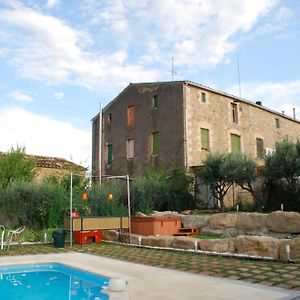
{"points": [[130, 115], [130, 148], [155, 143], [109, 119], [277, 123], [235, 143], [260, 148], [109, 154], [204, 139], [203, 97], [234, 111], [155, 102]]}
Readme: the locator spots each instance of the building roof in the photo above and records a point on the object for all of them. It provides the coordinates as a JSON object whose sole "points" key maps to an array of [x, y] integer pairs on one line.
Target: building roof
{"points": [[187, 82], [51, 162]]}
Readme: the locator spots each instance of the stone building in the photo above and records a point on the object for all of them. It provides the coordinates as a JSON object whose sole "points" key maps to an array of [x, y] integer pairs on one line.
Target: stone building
{"points": [[47, 166], [179, 123]]}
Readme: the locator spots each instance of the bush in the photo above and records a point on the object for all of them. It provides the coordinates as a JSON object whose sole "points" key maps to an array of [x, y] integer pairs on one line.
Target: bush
{"points": [[35, 205], [100, 205]]}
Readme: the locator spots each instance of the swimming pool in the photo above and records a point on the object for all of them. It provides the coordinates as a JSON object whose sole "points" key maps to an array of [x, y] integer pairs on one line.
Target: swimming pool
{"points": [[50, 282]]}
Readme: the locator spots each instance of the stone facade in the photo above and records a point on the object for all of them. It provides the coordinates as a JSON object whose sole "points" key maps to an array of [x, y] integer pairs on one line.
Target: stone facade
{"points": [[190, 120]]}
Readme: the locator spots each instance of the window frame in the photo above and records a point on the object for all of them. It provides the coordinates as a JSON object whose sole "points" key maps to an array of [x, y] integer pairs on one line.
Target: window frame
{"points": [[130, 148], [109, 154], [204, 134], [155, 102], [131, 115], [260, 151], [233, 150], [234, 113], [203, 97], [155, 143]]}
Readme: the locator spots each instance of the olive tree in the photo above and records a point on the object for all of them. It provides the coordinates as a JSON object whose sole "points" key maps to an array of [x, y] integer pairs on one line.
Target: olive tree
{"points": [[221, 170], [14, 166]]}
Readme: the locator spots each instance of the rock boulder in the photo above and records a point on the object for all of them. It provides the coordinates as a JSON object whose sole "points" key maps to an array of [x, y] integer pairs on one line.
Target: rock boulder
{"points": [[283, 221], [258, 246]]}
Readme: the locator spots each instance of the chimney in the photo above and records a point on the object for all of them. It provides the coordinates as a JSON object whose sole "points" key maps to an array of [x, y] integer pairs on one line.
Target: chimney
{"points": [[258, 103], [294, 112]]}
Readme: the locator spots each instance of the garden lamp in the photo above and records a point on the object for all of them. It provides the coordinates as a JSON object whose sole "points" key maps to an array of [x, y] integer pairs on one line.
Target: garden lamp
{"points": [[110, 197], [84, 196]]}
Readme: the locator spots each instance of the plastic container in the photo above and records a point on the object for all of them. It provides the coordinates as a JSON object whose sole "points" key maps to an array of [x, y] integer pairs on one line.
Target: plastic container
{"points": [[59, 238]]}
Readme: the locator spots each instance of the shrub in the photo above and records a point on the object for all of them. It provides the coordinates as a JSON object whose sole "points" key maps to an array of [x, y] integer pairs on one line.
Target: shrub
{"points": [[35, 205]]}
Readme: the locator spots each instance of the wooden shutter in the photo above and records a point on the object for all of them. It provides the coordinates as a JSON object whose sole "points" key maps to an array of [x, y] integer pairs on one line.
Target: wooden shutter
{"points": [[235, 143], [109, 154], [204, 138], [155, 143], [130, 115], [260, 148]]}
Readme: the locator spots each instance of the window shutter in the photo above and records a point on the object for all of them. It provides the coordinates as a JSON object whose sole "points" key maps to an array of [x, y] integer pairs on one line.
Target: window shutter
{"points": [[204, 138], [235, 143], [109, 154], [260, 148], [155, 143]]}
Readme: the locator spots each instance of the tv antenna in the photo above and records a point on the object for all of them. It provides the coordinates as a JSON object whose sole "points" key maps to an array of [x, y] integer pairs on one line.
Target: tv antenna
{"points": [[239, 75], [173, 69]]}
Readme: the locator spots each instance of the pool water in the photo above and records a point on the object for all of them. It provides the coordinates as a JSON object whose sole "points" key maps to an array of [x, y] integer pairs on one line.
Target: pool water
{"points": [[50, 281]]}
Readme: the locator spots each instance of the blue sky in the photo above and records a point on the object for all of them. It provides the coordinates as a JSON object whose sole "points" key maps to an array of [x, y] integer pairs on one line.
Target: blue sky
{"points": [[59, 59]]}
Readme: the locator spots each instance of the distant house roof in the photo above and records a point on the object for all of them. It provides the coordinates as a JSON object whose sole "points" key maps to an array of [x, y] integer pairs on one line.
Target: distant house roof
{"points": [[51, 162]]}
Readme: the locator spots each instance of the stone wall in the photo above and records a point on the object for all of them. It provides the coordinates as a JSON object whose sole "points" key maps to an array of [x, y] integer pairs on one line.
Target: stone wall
{"points": [[250, 234], [254, 246], [276, 224]]}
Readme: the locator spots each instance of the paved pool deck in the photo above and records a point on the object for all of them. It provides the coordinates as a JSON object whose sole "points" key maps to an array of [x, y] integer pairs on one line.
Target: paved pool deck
{"points": [[148, 282]]}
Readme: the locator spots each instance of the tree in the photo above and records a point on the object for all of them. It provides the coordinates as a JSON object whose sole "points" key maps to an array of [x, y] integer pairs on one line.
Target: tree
{"points": [[219, 172], [282, 174], [246, 176], [14, 166], [285, 163]]}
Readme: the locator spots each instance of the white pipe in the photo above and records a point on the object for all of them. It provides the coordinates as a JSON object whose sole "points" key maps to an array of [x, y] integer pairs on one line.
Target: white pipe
{"points": [[100, 144], [129, 208], [71, 208]]}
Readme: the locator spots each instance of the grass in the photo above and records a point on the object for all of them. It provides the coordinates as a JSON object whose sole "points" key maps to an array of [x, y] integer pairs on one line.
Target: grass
{"points": [[206, 237]]}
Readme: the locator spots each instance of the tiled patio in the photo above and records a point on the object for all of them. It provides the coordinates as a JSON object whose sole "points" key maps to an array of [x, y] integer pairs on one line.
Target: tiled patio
{"points": [[264, 272]]}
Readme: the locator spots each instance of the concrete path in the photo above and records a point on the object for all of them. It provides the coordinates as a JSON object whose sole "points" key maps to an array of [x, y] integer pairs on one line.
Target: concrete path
{"points": [[146, 282]]}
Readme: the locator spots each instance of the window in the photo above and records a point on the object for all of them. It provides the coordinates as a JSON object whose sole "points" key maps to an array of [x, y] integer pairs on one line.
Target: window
{"points": [[260, 148], [235, 143], [109, 154], [204, 138], [155, 102], [130, 148], [155, 143], [109, 119], [234, 111], [130, 115], [203, 97], [277, 124]]}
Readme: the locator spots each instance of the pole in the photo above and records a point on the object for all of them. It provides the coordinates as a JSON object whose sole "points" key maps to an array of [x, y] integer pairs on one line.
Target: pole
{"points": [[100, 143], [129, 208], [71, 208], [239, 76]]}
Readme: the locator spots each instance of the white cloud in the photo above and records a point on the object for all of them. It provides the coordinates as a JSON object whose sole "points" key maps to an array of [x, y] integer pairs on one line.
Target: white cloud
{"points": [[196, 33], [43, 136], [59, 95], [51, 3], [49, 50], [142, 37], [20, 96], [278, 96]]}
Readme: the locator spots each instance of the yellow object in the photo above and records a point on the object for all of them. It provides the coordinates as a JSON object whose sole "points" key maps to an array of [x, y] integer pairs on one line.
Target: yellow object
{"points": [[84, 196], [110, 197]]}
